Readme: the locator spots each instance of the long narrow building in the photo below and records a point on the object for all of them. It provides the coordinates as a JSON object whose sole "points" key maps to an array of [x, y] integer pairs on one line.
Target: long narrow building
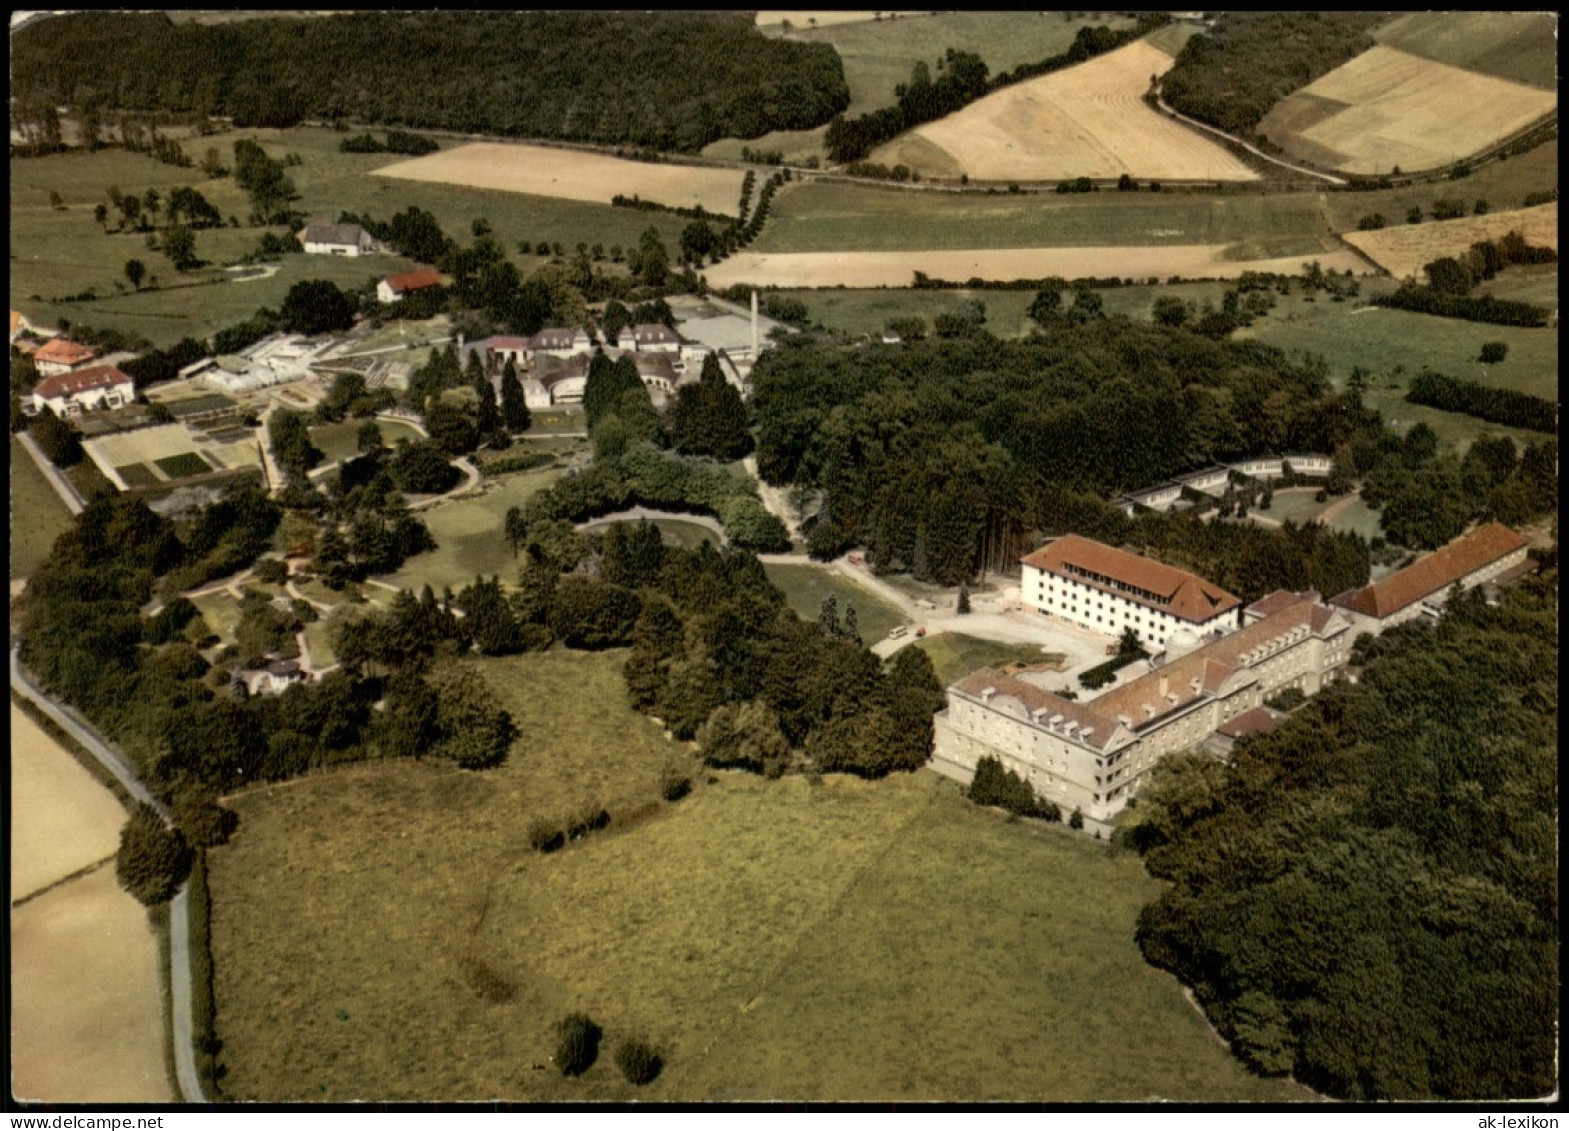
{"points": [[1107, 590], [1490, 553]]}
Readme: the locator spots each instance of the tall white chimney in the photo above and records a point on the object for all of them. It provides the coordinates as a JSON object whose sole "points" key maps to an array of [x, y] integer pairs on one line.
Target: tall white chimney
{"points": [[754, 325]]}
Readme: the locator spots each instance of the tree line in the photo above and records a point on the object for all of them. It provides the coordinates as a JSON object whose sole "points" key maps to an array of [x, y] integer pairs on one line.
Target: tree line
{"points": [[1232, 74], [1498, 406], [669, 80], [963, 78], [1366, 897], [936, 455]]}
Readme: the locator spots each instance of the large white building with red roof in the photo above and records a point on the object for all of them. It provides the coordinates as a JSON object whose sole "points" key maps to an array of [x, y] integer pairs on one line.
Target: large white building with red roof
{"points": [[1093, 754], [68, 394], [1490, 553], [1107, 590]]}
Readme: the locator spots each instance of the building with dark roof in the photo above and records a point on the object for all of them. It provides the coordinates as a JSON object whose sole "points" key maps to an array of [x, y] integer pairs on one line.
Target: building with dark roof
{"points": [[335, 239], [1490, 553], [98, 387], [1093, 754], [1105, 589]]}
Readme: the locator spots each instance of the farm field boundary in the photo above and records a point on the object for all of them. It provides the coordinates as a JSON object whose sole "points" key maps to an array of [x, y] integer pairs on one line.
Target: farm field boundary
{"points": [[1388, 108], [1088, 120], [573, 175], [1402, 250], [897, 268]]}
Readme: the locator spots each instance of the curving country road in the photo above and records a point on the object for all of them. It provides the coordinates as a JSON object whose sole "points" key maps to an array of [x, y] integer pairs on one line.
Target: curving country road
{"points": [[179, 907]]}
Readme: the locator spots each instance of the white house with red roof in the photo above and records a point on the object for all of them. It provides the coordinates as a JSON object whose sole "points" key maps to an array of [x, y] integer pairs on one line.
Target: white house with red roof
{"points": [[60, 355], [394, 287], [85, 390], [1107, 590]]}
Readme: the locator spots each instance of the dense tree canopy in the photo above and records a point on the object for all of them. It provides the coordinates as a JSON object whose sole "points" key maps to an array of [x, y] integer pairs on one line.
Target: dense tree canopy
{"points": [[664, 79], [1367, 897]]}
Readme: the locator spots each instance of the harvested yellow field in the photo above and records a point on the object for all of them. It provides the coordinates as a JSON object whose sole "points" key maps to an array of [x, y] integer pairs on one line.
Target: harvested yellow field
{"points": [[573, 175], [87, 1016], [61, 819], [1388, 108], [1085, 121], [1403, 250], [897, 268]]}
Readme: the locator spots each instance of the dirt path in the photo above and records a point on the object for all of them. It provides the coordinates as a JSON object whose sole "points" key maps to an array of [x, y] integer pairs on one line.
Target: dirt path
{"points": [[774, 500]]}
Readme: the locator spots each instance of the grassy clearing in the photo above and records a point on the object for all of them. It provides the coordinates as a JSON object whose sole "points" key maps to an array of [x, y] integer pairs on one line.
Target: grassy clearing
{"points": [[337, 441], [674, 532], [221, 612], [1358, 517], [469, 537], [805, 587], [1298, 506], [834, 216], [955, 654], [1503, 184], [556, 421], [1378, 340], [65, 252], [38, 516], [869, 311], [1510, 45], [1525, 284], [896, 896], [346, 913]]}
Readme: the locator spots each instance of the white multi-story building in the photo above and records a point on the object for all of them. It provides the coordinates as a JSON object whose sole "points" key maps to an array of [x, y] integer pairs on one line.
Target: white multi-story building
{"points": [[1094, 755], [1490, 553], [69, 394], [1108, 590]]}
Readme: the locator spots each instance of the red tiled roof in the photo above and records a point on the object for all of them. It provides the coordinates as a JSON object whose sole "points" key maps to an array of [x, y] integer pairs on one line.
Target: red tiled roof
{"points": [[413, 280], [1180, 593], [1280, 599], [1257, 721], [83, 380], [65, 352], [1434, 573]]}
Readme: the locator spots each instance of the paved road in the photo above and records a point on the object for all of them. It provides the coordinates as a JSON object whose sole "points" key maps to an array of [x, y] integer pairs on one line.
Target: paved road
{"points": [[62, 485], [179, 907]]}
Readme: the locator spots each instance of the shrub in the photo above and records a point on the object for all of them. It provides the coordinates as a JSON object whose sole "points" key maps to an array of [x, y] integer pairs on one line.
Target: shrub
{"points": [[272, 571], [674, 784], [545, 836], [486, 980], [994, 785], [201, 820], [577, 1044], [1494, 352], [153, 859], [1288, 699], [1076, 821], [638, 1061]]}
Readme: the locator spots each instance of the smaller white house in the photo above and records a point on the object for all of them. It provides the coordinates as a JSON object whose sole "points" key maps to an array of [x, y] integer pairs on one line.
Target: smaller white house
{"points": [[1158, 498], [1210, 481], [649, 337], [86, 390], [272, 678], [559, 342], [336, 239], [394, 287], [60, 355], [507, 347]]}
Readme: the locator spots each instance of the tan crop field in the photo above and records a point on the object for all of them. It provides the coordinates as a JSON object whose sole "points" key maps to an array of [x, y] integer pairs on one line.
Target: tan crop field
{"points": [[1389, 108], [1403, 250], [1085, 121], [897, 268], [573, 175], [61, 819], [87, 1016]]}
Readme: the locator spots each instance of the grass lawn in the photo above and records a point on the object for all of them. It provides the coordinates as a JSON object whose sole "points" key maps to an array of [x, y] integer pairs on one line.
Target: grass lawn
{"points": [[88, 480], [556, 421], [805, 587], [38, 516], [64, 252], [1525, 284], [1298, 506], [182, 465], [1379, 339], [1503, 184], [337, 441], [469, 537], [221, 612], [674, 532], [955, 655], [775, 940], [834, 216], [1359, 517]]}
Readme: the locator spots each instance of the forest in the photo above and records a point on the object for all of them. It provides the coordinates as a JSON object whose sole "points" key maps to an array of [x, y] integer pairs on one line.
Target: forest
{"points": [[1231, 75], [1367, 897], [941, 455], [668, 80]]}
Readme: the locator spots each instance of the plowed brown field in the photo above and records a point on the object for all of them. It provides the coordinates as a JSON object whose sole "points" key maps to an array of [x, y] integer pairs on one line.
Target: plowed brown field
{"points": [[1085, 121], [574, 175], [1402, 251]]}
